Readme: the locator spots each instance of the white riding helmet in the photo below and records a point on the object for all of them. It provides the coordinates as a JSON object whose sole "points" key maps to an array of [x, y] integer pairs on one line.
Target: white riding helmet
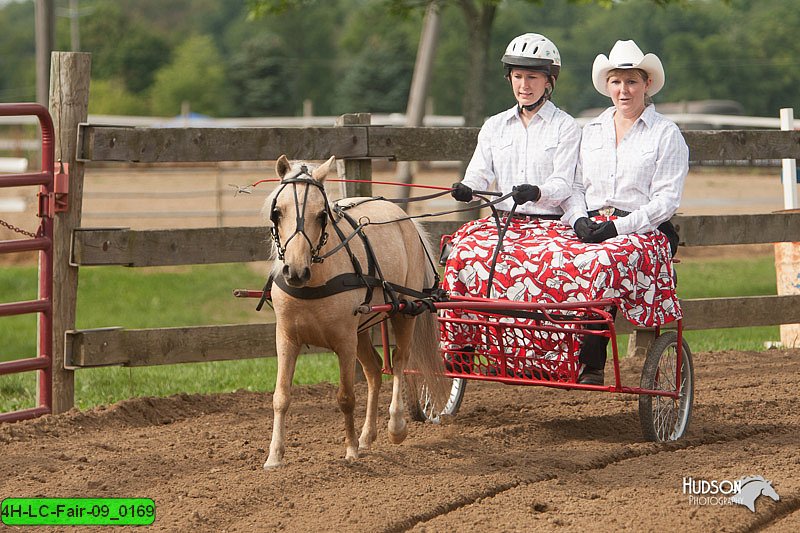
{"points": [[532, 51]]}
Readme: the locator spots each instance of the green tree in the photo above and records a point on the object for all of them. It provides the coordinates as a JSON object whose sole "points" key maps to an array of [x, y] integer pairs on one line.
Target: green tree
{"points": [[312, 59], [111, 97], [122, 49], [261, 81], [195, 75], [17, 53], [475, 42], [376, 81], [376, 59]]}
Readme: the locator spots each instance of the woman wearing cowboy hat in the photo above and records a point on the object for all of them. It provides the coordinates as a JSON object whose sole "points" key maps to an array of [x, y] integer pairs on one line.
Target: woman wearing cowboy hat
{"points": [[632, 167]]}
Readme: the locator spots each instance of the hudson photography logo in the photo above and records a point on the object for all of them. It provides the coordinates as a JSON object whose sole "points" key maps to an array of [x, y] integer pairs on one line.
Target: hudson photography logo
{"points": [[744, 491]]}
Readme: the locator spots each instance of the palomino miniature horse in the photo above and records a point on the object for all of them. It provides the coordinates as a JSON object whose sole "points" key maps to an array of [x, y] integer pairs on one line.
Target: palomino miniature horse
{"points": [[301, 217]]}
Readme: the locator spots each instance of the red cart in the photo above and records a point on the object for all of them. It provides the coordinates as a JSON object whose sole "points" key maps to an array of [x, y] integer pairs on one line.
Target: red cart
{"points": [[506, 346]]}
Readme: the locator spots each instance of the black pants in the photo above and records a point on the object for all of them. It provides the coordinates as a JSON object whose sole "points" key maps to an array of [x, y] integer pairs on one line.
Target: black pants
{"points": [[668, 229], [593, 351]]}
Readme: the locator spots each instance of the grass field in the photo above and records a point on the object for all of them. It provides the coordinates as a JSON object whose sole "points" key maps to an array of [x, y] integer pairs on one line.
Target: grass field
{"points": [[201, 295]]}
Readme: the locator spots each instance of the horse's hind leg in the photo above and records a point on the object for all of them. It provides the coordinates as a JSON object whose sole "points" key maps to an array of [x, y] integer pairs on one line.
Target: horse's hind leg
{"points": [[287, 358], [403, 330], [370, 361]]}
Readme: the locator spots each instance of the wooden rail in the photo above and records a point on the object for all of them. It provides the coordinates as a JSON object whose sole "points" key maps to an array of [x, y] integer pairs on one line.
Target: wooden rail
{"points": [[169, 145], [235, 244], [355, 142]]}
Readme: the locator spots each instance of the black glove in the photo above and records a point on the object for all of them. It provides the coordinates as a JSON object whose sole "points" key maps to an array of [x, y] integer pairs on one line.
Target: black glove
{"points": [[525, 193], [584, 227], [461, 192], [603, 232]]}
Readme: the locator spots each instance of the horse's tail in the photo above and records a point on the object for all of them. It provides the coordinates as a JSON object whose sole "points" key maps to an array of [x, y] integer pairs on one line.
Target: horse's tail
{"points": [[425, 350]]}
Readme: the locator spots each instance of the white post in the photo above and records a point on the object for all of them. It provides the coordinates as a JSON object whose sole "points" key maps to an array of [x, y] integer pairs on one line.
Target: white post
{"points": [[787, 254], [789, 166]]}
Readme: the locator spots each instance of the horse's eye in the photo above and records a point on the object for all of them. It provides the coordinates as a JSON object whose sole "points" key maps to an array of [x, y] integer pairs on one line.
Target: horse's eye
{"points": [[321, 216], [276, 215]]}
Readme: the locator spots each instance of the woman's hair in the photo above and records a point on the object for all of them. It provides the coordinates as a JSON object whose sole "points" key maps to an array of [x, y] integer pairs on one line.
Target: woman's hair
{"points": [[642, 74]]}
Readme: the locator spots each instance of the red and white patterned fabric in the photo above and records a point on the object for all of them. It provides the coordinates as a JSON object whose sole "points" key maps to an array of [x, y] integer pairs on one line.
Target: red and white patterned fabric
{"points": [[543, 261]]}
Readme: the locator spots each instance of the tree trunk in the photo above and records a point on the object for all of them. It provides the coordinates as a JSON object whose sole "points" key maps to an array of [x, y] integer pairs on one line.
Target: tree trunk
{"points": [[479, 20]]}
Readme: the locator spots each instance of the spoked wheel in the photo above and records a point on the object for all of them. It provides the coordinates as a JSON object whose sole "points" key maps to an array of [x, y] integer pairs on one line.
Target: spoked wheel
{"points": [[664, 418], [422, 407]]}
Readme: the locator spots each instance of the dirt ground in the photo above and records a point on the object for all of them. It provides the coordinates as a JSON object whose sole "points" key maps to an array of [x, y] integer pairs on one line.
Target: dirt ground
{"points": [[513, 459]]}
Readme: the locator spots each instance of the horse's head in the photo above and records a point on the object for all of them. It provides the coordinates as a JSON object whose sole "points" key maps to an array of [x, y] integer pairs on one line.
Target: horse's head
{"points": [[298, 214]]}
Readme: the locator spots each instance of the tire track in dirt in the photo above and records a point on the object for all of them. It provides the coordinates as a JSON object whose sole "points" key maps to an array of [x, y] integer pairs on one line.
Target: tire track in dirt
{"points": [[596, 464]]}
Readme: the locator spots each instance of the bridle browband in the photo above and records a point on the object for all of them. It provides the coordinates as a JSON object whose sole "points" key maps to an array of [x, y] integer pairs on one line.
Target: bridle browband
{"points": [[302, 176]]}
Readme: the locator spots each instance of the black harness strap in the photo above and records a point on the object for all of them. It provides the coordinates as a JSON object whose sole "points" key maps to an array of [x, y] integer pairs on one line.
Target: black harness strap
{"points": [[348, 281]]}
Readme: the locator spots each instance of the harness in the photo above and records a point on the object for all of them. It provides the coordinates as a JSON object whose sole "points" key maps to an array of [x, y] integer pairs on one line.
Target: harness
{"points": [[358, 279], [422, 300]]}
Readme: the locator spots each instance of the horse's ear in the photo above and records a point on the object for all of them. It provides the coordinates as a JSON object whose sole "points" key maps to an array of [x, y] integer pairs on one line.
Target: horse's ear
{"points": [[321, 171], [282, 166]]}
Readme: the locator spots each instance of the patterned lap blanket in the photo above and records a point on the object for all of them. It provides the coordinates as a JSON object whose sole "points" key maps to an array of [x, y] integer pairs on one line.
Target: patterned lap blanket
{"points": [[543, 261]]}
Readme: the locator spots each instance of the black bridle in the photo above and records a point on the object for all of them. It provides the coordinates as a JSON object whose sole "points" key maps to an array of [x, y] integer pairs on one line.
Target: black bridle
{"points": [[300, 215]]}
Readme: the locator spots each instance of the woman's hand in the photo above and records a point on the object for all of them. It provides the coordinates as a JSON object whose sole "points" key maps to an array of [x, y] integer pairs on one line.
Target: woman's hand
{"points": [[584, 227], [603, 232], [525, 193], [461, 192]]}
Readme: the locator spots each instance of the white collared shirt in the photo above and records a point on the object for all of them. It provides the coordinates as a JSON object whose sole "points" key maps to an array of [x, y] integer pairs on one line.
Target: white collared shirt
{"points": [[643, 175], [543, 154]]}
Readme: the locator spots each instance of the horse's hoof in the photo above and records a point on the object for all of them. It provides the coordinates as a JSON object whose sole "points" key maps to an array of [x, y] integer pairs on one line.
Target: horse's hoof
{"points": [[399, 436], [351, 455], [365, 442], [272, 464]]}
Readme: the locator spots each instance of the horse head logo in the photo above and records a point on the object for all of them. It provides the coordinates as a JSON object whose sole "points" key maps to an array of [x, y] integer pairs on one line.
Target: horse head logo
{"points": [[751, 488]]}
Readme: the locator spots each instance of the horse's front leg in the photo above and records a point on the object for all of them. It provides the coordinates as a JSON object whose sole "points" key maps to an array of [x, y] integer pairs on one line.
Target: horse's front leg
{"points": [[287, 359], [347, 399], [370, 361]]}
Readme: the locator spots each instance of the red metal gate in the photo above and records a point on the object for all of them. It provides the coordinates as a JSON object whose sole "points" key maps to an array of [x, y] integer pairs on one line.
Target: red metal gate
{"points": [[50, 200]]}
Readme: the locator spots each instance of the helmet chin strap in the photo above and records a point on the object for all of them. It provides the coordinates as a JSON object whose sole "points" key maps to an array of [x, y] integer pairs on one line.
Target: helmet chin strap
{"points": [[537, 103], [531, 107]]}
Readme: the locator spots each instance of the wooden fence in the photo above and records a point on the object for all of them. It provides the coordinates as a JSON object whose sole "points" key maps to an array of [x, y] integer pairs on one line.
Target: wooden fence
{"points": [[356, 143]]}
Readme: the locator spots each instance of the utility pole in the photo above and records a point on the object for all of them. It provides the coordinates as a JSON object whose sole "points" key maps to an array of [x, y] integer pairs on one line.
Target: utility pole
{"points": [[74, 29], [45, 14], [415, 110], [74, 13]]}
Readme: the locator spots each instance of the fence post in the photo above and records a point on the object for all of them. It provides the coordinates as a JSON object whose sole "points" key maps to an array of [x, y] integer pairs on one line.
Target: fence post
{"points": [[787, 254], [788, 166], [355, 169], [69, 103], [639, 342]]}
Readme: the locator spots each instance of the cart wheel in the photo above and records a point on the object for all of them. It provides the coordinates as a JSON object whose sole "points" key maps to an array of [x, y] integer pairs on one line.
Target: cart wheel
{"points": [[421, 407], [663, 418]]}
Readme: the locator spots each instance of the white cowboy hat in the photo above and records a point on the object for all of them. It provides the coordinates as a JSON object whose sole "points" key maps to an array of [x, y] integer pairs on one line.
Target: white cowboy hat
{"points": [[626, 54]]}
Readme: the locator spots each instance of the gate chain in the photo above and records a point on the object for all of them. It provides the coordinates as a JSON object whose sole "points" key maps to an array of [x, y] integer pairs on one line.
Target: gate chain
{"points": [[14, 228]]}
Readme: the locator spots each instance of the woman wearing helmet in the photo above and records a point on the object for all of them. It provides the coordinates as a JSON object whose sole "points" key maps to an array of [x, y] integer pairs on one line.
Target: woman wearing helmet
{"points": [[529, 151], [632, 166], [532, 148]]}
